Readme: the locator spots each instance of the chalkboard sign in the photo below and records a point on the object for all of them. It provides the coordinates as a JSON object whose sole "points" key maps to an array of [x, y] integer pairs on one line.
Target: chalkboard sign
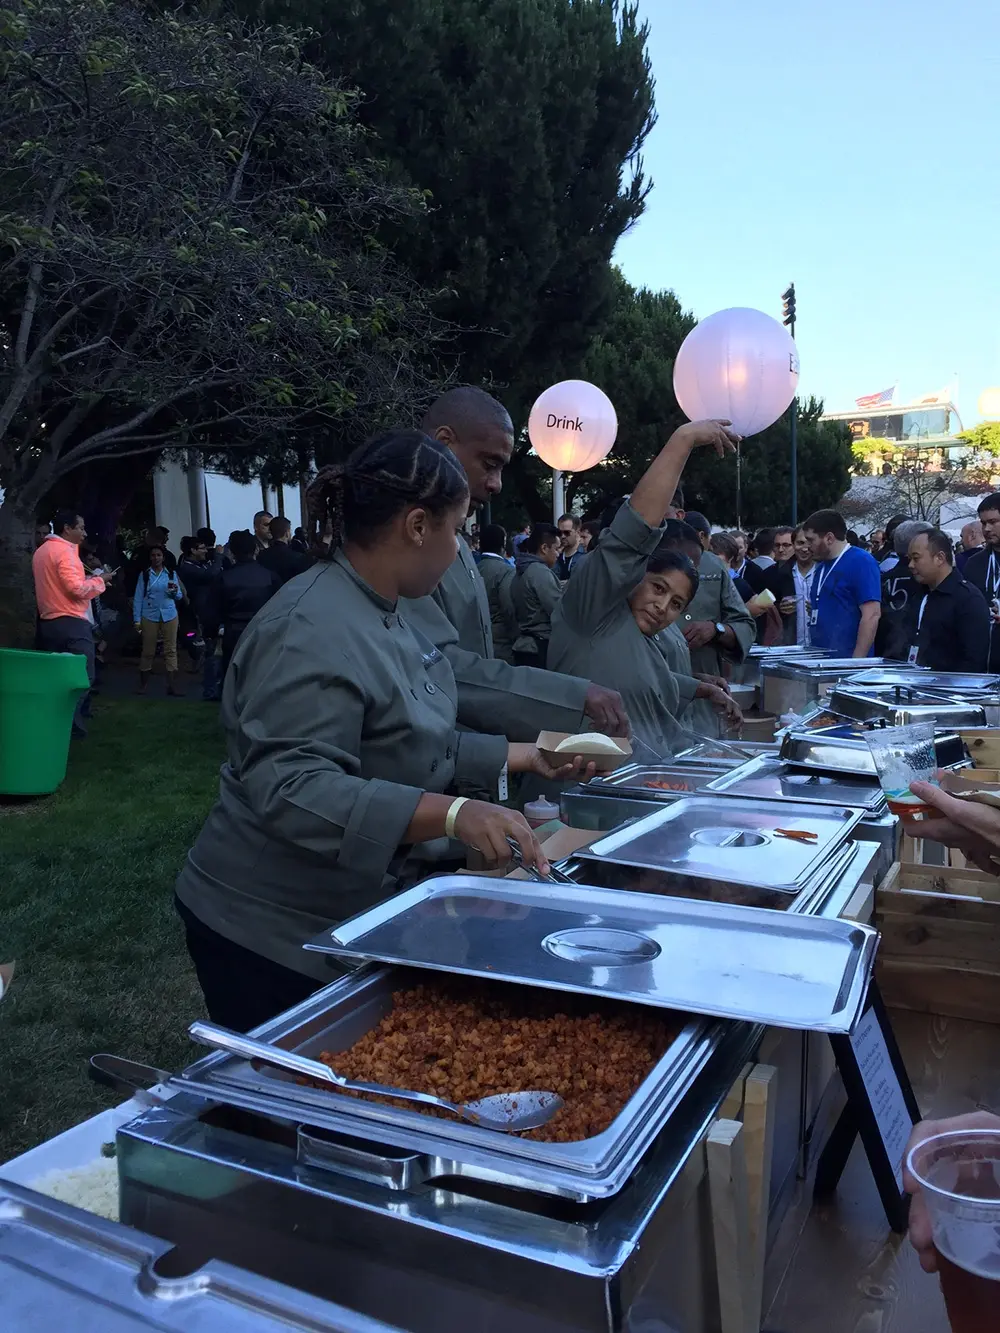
{"points": [[880, 1106]]}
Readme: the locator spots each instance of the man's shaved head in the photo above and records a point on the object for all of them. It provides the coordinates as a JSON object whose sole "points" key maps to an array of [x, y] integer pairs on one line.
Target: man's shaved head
{"points": [[479, 431]]}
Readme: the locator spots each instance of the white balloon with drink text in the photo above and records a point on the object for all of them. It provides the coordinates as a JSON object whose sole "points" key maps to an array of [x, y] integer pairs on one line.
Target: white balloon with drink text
{"points": [[740, 365], [572, 426]]}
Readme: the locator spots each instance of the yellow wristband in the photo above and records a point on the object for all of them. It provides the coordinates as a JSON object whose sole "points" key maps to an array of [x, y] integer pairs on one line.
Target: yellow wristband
{"points": [[452, 815]]}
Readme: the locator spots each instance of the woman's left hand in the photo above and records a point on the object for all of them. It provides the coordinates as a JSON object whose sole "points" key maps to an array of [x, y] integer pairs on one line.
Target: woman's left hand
{"points": [[722, 702], [529, 759]]}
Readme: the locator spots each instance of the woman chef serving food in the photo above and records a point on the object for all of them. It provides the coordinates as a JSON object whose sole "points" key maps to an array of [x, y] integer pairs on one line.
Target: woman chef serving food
{"points": [[343, 753]]}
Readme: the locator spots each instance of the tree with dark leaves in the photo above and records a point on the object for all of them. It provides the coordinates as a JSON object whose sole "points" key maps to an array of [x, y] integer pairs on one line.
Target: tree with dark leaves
{"points": [[189, 253]]}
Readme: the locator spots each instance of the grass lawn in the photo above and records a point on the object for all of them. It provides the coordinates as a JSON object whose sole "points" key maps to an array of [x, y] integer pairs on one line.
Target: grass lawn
{"points": [[86, 890]]}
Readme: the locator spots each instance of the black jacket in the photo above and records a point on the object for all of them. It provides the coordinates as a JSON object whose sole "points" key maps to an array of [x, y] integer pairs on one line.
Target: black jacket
{"points": [[281, 559], [198, 577], [779, 579], [900, 592], [954, 631], [236, 597], [754, 575], [977, 572]]}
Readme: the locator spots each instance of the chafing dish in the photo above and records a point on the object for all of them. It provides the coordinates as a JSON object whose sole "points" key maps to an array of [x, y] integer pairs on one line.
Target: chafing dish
{"points": [[429, 1228], [656, 781], [843, 749], [897, 705], [794, 685], [340, 1015], [62, 1268], [749, 672], [775, 779], [348, 1218], [710, 846], [708, 754]]}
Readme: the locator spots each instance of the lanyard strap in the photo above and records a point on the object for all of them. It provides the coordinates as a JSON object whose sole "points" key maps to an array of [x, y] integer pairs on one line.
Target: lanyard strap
{"points": [[821, 581], [920, 613]]}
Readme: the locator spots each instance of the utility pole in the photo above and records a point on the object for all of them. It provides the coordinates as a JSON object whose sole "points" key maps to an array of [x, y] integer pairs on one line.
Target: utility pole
{"points": [[788, 319]]}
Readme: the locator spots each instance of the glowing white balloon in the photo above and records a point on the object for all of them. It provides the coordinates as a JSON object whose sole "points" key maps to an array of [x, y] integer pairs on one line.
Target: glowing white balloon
{"points": [[740, 364], [989, 404], [572, 425]]}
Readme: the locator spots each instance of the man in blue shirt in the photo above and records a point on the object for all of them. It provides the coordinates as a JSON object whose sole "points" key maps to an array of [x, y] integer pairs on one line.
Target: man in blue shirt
{"points": [[845, 599]]}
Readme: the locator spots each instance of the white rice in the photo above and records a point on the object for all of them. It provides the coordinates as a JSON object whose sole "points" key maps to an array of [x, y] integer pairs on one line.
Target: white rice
{"points": [[93, 1187]]}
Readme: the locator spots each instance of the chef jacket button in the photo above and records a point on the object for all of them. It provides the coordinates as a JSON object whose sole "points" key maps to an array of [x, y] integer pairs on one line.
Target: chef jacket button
{"points": [[447, 753], [430, 688], [387, 622], [434, 764]]}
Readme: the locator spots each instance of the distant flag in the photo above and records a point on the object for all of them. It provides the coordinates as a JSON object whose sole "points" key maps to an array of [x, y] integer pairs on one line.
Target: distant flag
{"points": [[876, 399], [942, 396]]}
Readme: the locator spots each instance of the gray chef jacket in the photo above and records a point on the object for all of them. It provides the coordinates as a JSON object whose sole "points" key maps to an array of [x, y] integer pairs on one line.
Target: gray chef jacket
{"points": [[535, 593], [716, 600], [493, 697], [593, 629], [339, 714], [497, 576]]}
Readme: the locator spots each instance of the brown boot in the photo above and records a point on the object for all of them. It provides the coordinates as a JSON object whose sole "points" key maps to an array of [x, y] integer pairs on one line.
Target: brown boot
{"points": [[172, 684], [143, 682]]}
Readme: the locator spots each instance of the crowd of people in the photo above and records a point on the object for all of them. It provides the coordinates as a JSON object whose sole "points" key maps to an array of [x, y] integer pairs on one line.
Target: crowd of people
{"points": [[907, 593], [199, 604]]}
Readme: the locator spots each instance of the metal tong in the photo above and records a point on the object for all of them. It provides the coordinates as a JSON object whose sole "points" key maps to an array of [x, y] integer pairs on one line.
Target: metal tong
{"points": [[553, 877]]}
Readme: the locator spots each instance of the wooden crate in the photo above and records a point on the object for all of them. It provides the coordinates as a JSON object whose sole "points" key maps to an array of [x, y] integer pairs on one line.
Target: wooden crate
{"points": [[984, 745], [940, 949]]}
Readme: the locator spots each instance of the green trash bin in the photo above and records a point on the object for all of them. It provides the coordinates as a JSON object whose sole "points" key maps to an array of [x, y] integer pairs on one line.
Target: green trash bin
{"points": [[38, 695]]}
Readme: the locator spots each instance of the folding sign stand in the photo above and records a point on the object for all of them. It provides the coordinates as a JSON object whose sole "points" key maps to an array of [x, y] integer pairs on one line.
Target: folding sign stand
{"points": [[880, 1106]]}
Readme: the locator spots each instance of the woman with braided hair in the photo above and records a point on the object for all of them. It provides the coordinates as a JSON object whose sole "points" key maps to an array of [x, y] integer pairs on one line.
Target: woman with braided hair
{"points": [[343, 752]]}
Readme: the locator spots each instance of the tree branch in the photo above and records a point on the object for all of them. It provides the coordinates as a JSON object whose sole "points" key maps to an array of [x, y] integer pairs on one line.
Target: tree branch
{"points": [[35, 279]]}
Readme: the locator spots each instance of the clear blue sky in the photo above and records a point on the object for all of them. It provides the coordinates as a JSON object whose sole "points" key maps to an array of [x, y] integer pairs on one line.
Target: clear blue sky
{"points": [[853, 147]]}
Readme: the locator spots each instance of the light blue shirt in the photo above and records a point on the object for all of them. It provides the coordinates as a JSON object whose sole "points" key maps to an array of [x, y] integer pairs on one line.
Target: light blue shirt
{"points": [[151, 600]]}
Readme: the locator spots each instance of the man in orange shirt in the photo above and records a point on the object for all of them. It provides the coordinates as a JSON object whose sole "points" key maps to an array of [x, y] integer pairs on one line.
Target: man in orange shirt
{"points": [[64, 591]]}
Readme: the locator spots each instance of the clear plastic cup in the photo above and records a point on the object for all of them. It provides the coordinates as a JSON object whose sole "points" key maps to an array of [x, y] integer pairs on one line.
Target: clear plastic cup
{"points": [[903, 755], [959, 1177]]}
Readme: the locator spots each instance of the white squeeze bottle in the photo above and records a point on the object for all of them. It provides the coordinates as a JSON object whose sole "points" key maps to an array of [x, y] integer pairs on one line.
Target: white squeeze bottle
{"points": [[540, 812]]}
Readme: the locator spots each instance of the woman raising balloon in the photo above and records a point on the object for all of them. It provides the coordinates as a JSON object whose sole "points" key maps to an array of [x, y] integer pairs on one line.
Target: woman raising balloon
{"points": [[343, 752], [628, 591]]}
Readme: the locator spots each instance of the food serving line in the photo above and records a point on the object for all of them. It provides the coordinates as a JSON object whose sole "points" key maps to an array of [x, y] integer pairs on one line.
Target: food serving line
{"points": [[716, 896]]}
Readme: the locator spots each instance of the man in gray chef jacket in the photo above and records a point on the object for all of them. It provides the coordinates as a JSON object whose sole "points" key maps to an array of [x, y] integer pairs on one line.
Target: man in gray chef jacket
{"points": [[494, 697]]}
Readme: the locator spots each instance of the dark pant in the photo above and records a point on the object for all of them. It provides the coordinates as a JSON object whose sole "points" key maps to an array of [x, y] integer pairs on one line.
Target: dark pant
{"points": [[70, 634], [211, 672], [532, 659], [242, 989]]}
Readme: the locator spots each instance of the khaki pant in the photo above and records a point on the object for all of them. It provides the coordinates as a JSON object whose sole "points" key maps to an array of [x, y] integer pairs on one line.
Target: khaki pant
{"points": [[151, 632]]}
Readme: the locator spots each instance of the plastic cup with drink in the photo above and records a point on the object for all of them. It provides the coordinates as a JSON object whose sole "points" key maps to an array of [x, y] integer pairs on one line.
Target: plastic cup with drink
{"points": [[903, 755], [959, 1177]]}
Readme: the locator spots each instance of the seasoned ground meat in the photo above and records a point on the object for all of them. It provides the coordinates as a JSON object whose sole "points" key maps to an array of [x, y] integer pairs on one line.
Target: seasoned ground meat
{"points": [[467, 1039]]}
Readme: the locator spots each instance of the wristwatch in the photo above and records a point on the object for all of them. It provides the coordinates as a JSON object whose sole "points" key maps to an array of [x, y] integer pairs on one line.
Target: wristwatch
{"points": [[720, 629]]}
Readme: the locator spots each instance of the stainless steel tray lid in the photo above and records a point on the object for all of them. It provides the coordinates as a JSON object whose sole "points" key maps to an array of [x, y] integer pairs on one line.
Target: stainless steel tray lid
{"points": [[714, 838], [777, 779], [960, 682], [704, 958]]}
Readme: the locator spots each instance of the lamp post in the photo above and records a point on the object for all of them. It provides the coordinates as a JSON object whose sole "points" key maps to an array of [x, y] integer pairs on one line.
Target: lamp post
{"points": [[788, 319]]}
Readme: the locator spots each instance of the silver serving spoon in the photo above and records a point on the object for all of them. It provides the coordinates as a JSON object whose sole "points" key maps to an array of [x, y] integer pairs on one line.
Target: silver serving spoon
{"points": [[509, 1112]]}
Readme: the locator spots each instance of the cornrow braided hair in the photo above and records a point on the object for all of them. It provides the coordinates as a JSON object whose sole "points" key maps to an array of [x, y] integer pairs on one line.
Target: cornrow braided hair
{"points": [[396, 470]]}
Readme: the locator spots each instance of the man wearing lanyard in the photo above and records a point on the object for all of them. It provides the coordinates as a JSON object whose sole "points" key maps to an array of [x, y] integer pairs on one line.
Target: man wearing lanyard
{"points": [[950, 625], [982, 570], [845, 599]]}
